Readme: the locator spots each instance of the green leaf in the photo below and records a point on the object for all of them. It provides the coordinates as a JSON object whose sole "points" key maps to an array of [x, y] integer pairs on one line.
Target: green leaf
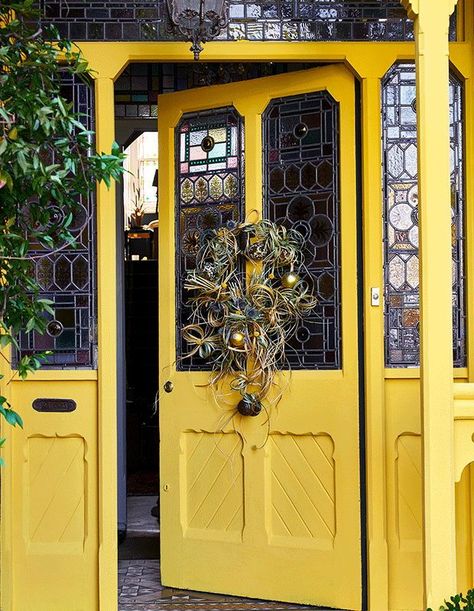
{"points": [[6, 180], [22, 161], [11, 417], [5, 340]]}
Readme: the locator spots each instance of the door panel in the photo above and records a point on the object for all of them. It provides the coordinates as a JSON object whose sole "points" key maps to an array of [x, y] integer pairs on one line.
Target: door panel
{"points": [[244, 513], [54, 463]]}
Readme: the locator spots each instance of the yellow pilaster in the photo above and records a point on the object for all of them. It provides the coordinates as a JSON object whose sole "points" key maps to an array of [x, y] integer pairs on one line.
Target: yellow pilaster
{"points": [[375, 412], [106, 262], [432, 61]]}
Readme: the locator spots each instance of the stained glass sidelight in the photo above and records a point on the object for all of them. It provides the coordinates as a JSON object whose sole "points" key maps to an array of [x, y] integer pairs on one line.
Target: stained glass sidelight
{"points": [[209, 193], [301, 190], [401, 218], [68, 277], [248, 19]]}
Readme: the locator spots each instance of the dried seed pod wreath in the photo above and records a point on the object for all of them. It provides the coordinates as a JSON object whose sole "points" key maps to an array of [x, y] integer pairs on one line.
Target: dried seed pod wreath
{"points": [[241, 319]]}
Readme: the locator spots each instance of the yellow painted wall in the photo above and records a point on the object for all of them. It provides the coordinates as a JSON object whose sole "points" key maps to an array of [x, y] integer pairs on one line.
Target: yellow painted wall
{"points": [[393, 448]]}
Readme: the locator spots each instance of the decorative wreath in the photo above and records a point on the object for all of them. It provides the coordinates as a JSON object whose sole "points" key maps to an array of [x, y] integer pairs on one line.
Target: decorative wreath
{"points": [[242, 316]]}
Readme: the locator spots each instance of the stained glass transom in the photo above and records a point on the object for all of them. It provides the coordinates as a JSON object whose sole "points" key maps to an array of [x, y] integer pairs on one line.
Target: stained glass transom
{"points": [[68, 276], [301, 190], [402, 313], [140, 84], [248, 19], [209, 193]]}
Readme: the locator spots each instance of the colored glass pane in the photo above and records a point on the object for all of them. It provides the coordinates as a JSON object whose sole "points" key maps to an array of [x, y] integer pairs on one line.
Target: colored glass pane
{"points": [[209, 193], [248, 19], [301, 191], [68, 277], [400, 176]]}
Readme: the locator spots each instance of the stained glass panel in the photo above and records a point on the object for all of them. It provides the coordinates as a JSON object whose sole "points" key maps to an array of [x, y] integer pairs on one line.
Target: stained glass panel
{"points": [[301, 190], [248, 19], [68, 277], [402, 312], [209, 193], [139, 85]]}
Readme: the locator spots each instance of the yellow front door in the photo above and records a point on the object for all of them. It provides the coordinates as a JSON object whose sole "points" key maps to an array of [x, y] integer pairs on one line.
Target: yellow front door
{"points": [[249, 508]]}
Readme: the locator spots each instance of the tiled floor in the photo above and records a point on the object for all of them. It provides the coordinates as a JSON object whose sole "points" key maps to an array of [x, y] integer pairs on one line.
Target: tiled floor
{"points": [[139, 519], [140, 590], [140, 586]]}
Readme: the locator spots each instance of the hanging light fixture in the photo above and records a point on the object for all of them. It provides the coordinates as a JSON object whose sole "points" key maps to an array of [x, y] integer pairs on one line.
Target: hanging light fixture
{"points": [[198, 20]]}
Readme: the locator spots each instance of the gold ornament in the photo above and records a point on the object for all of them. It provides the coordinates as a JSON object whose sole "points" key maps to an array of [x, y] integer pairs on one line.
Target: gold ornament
{"points": [[237, 339], [290, 280]]}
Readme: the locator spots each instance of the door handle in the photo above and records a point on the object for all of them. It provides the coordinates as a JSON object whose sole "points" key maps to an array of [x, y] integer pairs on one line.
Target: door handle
{"points": [[168, 386]]}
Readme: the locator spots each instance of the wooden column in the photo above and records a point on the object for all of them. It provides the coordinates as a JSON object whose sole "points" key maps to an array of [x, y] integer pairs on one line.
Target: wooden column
{"points": [[374, 361], [107, 357], [432, 64]]}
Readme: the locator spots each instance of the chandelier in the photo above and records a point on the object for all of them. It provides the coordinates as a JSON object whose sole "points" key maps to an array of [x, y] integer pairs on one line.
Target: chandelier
{"points": [[198, 20]]}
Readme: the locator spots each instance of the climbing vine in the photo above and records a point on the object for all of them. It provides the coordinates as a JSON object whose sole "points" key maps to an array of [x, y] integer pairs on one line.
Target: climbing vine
{"points": [[47, 162]]}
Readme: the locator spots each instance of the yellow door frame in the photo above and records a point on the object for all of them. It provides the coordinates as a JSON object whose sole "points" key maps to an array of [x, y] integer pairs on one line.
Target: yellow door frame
{"points": [[369, 67]]}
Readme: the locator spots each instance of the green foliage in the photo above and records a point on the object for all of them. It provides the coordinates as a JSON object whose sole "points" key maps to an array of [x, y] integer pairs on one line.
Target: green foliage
{"points": [[47, 162], [459, 602]]}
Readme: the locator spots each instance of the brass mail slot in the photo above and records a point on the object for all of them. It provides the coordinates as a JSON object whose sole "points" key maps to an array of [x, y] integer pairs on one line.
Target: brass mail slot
{"points": [[54, 405]]}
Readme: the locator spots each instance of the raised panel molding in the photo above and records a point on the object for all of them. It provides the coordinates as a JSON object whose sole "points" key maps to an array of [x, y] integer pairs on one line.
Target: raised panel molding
{"points": [[55, 492], [408, 491], [212, 485], [463, 427], [303, 498]]}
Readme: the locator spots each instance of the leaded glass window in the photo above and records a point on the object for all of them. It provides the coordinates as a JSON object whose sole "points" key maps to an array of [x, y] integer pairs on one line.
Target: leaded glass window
{"points": [[248, 19], [318, 20], [209, 194], [301, 190], [68, 276], [140, 84], [402, 311]]}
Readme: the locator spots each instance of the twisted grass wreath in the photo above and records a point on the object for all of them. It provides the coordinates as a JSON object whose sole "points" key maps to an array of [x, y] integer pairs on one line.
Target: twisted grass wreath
{"points": [[242, 316]]}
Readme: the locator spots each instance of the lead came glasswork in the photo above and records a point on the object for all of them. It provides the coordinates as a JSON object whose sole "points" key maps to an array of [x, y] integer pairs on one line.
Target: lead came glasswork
{"points": [[284, 20], [138, 86], [402, 274], [209, 187], [68, 277], [301, 190]]}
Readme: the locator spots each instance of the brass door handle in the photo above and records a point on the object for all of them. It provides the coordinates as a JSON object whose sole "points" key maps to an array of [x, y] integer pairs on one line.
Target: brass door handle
{"points": [[168, 386]]}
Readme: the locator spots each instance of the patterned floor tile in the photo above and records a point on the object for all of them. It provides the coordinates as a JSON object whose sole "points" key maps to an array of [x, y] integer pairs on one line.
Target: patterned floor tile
{"points": [[140, 589]]}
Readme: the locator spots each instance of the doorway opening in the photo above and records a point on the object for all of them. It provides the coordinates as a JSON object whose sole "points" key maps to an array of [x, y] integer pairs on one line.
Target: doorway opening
{"points": [[138, 218], [136, 92], [139, 527]]}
